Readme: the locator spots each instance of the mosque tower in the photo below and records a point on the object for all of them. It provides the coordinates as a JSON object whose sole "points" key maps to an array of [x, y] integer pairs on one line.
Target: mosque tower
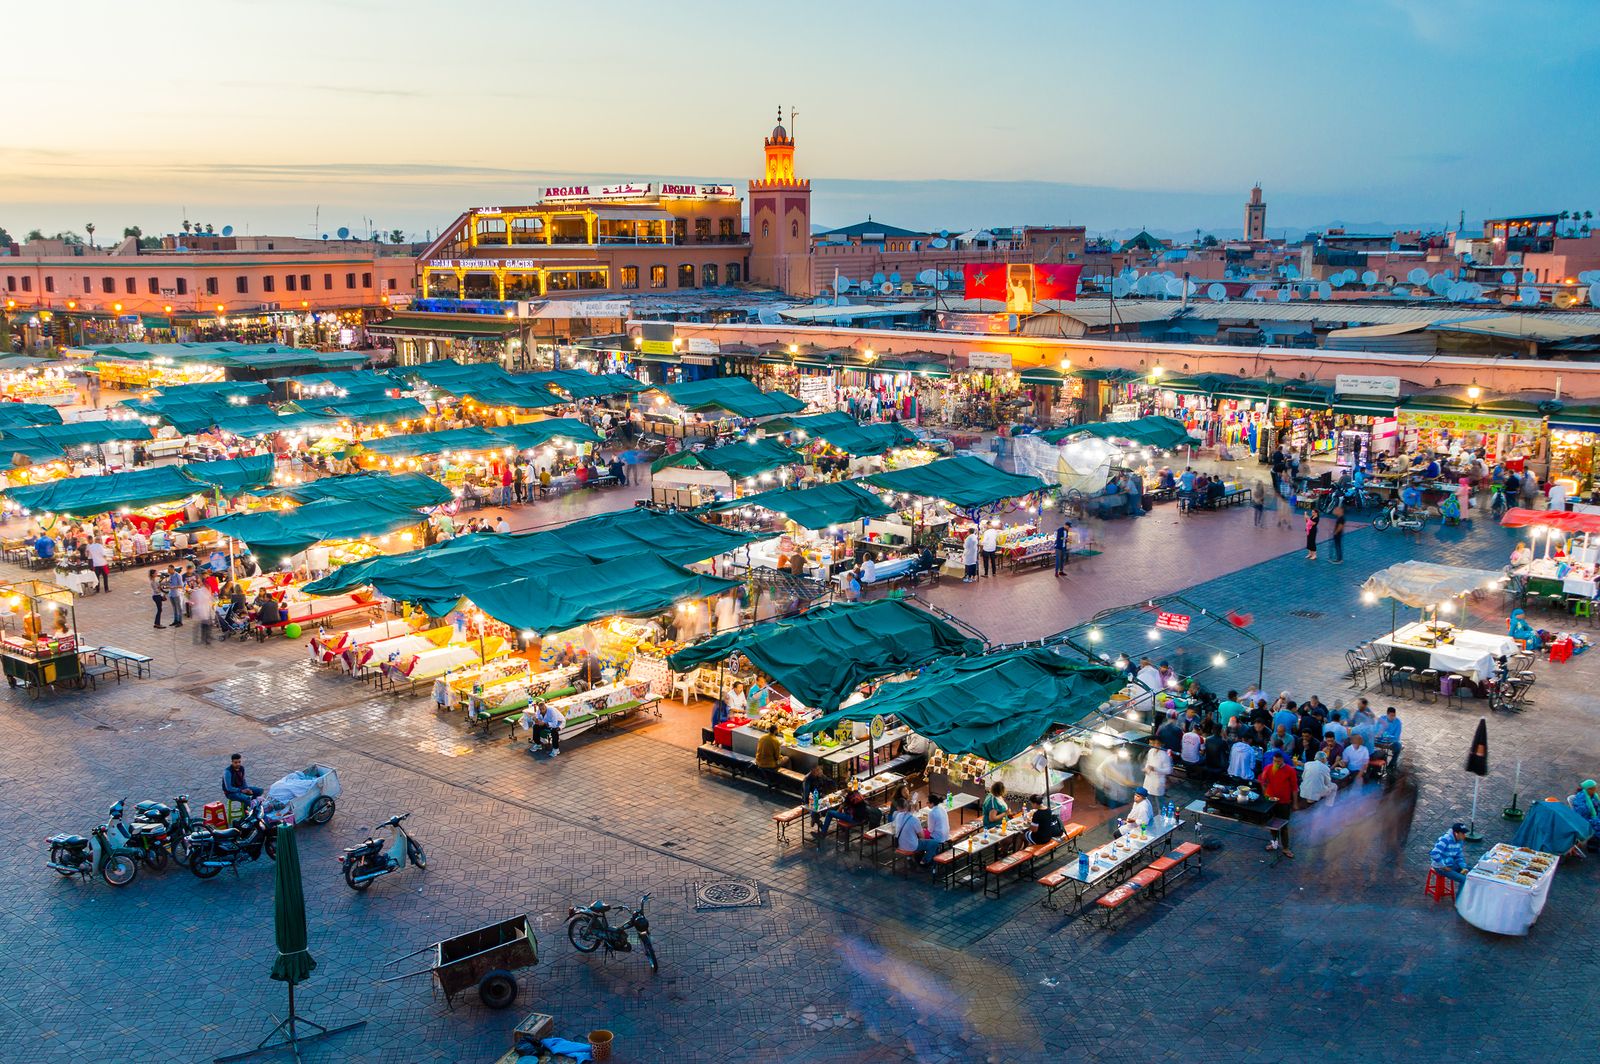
{"points": [[780, 220]]}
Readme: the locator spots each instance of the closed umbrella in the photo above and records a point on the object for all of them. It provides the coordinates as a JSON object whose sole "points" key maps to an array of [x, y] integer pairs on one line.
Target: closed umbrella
{"points": [[1478, 765], [294, 963]]}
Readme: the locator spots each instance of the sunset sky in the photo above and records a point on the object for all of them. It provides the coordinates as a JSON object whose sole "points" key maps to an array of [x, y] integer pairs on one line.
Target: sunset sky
{"points": [[930, 114]]}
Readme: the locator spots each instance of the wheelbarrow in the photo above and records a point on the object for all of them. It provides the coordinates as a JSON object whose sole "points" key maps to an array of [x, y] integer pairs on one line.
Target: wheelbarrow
{"points": [[485, 958]]}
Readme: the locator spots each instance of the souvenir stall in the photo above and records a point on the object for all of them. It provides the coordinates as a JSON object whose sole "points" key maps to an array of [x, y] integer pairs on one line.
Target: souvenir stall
{"points": [[938, 497], [822, 524], [38, 634]]}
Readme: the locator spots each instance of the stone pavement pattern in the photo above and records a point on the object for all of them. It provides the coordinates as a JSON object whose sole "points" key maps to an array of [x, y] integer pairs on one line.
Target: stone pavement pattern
{"points": [[1335, 954]]}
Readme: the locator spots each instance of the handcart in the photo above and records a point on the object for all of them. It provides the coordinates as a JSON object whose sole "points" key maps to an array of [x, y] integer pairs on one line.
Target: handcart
{"points": [[484, 958], [306, 795]]}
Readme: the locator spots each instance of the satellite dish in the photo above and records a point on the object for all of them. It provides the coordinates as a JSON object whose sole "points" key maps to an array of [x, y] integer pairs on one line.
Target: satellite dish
{"points": [[841, 284], [944, 234], [227, 230], [1594, 294], [1119, 287], [887, 288], [1172, 286], [1508, 278], [939, 242], [878, 278], [844, 301], [1324, 290], [1588, 276], [1439, 284], [821, 301], [1291, 271], [927, 277], [1529, 276], [1337, 280], [344, 232], [1417, 275], [1456, 293], [942, 283], [1216, 292], [1284, 295], [895, 277], [1529, 295], [1369, 277]]}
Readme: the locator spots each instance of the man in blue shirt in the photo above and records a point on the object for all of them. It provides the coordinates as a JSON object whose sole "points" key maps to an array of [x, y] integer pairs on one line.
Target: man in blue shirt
{"points": [[1286, 717], [1446, 856], [1389, 731], [1586, 803], [44, 546]]}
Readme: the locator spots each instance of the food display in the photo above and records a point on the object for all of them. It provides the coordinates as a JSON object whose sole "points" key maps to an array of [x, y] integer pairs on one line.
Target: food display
{"points": [[1516, 865], [1233, 794], [959, 766], [50, 386]]}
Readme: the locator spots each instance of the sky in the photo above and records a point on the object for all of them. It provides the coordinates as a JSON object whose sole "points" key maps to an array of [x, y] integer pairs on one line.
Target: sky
{"points": [[303, 116]]}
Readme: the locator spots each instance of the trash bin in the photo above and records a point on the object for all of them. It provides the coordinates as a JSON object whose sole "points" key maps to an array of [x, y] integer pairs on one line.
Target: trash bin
{"points": [[600, 1044]]}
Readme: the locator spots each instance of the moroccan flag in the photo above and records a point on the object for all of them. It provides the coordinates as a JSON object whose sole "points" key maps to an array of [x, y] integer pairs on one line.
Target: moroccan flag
{"points": [[1057, 281], [985, 280]]}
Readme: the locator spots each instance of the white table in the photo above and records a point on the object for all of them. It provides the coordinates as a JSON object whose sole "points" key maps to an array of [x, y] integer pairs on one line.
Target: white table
{"points": [[1498, 906], [1107, 859], [1469, 652], [1580, 579]]}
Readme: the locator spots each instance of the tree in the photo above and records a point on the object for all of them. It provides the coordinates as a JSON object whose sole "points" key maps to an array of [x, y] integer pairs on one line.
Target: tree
{"points": [[133, 231], [35, 234], [5, 237], [1210, 241], [69, 238], [88, 227], [187, 225], [208, 228], [397, 236]]}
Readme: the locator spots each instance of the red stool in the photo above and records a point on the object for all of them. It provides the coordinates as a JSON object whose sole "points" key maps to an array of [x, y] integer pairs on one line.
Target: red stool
{"points": [[1439, 887]]}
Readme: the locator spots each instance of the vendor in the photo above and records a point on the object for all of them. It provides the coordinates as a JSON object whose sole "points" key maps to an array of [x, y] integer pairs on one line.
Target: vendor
{"points": [[1522, 555], [1139, 815], [1586, 803]]}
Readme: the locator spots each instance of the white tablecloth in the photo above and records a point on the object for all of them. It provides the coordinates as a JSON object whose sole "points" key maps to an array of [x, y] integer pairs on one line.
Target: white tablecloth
{"points": [[1574, 583], [1500, 907], [1470, 652]]}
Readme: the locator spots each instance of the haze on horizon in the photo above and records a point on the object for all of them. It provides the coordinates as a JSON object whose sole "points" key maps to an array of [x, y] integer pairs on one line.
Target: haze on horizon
{"points": [[311, 114]]}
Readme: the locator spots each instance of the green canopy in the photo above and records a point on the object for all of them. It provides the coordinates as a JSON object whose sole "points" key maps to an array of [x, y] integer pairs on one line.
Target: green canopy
{"points": [[368, 410], [88, 496], [964, 480], [823, 655], [839, 503], [411, 490], [275, 533], [562, 593], [417, 444], [1154, 431], [736, 395], [579, 384], [812, 424], [485, 383], [740, 461], [188, 416], [294, 963], [342, 384], [995, 706], [230, 476], [527, 436], [20, 415], [53, 440], [211, 391], [862, 440], [256, 421]]}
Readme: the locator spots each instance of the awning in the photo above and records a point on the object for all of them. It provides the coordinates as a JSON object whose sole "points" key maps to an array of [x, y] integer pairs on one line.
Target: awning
{"points": [[411, 490], [418, 444], [531, 434], [466, 326], [1564, 520], [578, 384], [1424, 584], [255, 421], [631, 214], [89, 496], [54, 440], [1363, 406], [966, 481], [1154, 431], [995, 706], [737, 395], [281, 533], [820, 657], [341, 384], [230, 476], [557, 597], [740, 461], [863, 440], [22, 415], [485, 383], [840, 503], [380, 410], [811, 424]]}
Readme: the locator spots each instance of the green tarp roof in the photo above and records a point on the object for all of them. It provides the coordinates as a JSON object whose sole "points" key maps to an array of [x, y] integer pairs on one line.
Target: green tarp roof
{"points": [[367, 410], [822, 656], [579, 384], [416, 444], [485, 383], [839, 503], [736, 395], [52, 441], [995, 706], [562, 593], [435, 577], [342, 384], [412, 490], [1154, 431], [252, 421], [20, 415], [963, 480], [531, 434], [862, 440], [88, 496], [810, 424], [740, 461], [281, 533], [188, 417], [227, 353], [210, 391]]}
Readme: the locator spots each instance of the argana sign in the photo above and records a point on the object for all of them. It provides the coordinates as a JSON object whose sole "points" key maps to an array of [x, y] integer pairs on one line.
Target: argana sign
{"points": [[634, 190]]}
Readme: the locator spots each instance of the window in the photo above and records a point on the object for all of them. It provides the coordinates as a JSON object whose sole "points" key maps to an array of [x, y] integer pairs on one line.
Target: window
{"points": [[108, 285], [725, 228], [366, 280], [183, 286], [88, 286], [702, 229], [211, 286], [288, 282], [794, 229], [686, 275], [708, 275], [327, 282], [349, 280], [268, 283], [152, 285], [27, 283], [765, 229], [680, 229], [392, 284], [733, 273], [658, 277], [49, 284], [131, 285], [628, 277], [305, 282], [241, 284], [11, 283]]}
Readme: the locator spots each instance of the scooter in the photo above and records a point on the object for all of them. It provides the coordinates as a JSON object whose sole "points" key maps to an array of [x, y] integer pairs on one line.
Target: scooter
{"points": [[150, 837], [74, 855], [1395, 515], [588, 929], [362, 864], [176, 821], [213, 849]]}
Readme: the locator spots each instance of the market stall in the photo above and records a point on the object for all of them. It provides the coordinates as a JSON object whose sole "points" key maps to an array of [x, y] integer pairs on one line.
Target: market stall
{"points": [[942, 501], [1432, 642], [749, 467], [823, 524], [38, 634], [1507, 889]]}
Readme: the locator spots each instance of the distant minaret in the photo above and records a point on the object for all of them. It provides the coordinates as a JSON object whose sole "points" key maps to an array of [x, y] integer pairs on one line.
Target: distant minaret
{"points": [[1255, 217], [780, 219]]}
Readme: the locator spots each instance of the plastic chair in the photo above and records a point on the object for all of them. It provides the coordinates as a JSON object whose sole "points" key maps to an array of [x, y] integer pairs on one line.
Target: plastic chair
{"points": [[685, 686], [1582, 607], [1439, 887]]}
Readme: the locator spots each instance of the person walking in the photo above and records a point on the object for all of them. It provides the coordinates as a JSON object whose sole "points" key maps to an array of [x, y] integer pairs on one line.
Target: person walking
{"points": [[158, 594], [1338, 534], [1258, 500], [174, 586], [1063, 549], [1312, 520], [991, 549], [969, 557], [202, 606]]}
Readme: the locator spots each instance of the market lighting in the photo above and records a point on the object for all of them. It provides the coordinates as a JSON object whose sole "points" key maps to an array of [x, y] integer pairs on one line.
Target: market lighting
{"points": [[1474, 391], [1154, 635], [1447, 607], [1094, 635], [1368, 598], [1219, 660]]}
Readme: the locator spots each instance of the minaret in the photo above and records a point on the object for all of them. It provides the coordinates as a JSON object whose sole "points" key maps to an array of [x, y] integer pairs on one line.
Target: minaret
{"points": [[780, 220], [1255, 217]]}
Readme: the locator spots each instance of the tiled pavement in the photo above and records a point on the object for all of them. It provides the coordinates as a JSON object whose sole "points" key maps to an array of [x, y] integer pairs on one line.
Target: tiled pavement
{"points": [[1335, 954]]}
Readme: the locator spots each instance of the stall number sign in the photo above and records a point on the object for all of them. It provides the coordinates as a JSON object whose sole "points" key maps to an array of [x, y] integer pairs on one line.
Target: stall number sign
{"points": [[1172, 622], [878, 727]]}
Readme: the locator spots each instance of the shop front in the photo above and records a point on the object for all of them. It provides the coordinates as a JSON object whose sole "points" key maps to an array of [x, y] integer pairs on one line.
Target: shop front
{"points": [[1574, 438], [1503, 436]]}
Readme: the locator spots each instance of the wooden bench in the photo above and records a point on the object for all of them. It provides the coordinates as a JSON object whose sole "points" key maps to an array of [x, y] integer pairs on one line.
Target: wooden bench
{"points": [[1139, 884], [1020, 861], [710, 754], [93, 674], [784, 817], [126, 662], [1176, 863]]}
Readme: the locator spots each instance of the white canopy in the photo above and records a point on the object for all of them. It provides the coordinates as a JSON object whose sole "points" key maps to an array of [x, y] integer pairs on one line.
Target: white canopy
{"points": [[1424, 584]]}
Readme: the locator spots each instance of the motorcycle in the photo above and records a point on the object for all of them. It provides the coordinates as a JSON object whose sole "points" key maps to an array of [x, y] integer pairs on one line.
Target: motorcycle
{"points": [[176, 822], [149, 835], [74, 855], [213, 849], [588, 929], [362, 864], [1395, 515]]}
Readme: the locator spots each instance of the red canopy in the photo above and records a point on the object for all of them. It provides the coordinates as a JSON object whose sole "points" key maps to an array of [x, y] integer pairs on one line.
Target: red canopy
{"points": [[1565, 520]]}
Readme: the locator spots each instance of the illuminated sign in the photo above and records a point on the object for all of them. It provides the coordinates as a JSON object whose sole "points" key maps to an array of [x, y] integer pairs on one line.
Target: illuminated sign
{"points": [[582, 193], [697, 191], [1172, 622], [483, 264], [988, 360]]}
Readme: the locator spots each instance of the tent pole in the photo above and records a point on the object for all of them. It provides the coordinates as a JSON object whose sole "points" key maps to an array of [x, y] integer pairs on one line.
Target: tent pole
{"points": [[1472, 832], [1261, 668]]}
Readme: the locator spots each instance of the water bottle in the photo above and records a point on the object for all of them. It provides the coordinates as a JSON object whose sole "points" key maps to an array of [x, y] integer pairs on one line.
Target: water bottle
{"points": [[1083, 865]]}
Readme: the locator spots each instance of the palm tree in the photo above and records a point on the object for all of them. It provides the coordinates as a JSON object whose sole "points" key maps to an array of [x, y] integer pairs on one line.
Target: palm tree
{"points": [[208, 229], [397, 236], [88, 227], [133, 231]]}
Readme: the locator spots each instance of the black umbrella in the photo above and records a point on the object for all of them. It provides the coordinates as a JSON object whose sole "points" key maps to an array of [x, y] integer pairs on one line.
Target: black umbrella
{"points": [[1478, 765]]}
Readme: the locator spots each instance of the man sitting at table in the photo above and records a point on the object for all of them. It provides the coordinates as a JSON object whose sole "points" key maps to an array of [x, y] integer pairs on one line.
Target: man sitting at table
{"points": [[1316, 782], [1139, 815], [1446, 856], [815, 787], [938, 832], [850, 812], [1046, 825], [1356, 756]]}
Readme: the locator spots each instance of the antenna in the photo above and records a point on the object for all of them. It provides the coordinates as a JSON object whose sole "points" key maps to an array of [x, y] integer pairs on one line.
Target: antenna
{"points": [[792, 113]]}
